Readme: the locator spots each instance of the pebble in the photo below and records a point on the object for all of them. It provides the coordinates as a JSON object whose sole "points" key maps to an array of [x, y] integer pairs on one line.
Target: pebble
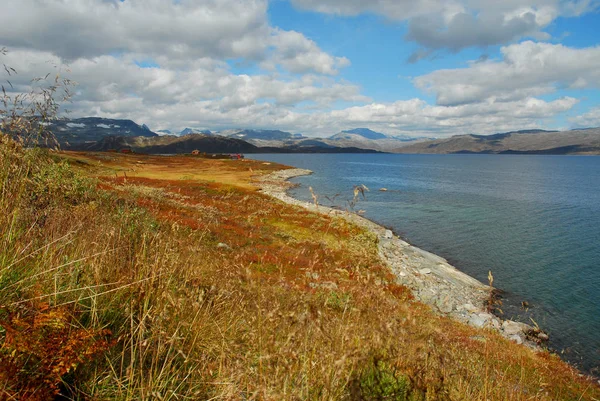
{"points": [[223, 246], [425, 271], [389, 234]]}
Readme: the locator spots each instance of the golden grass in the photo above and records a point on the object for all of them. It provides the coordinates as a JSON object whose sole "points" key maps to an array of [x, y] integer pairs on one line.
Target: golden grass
{"points": [[211, 290], [223, 171]]}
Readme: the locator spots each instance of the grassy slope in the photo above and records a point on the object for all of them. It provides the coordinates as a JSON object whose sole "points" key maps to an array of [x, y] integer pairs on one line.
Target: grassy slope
{"points": [[173, 278], [566, 142]]}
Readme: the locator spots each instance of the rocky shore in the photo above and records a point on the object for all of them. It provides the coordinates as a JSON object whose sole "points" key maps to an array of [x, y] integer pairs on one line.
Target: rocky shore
{"points": [[431, 278]]}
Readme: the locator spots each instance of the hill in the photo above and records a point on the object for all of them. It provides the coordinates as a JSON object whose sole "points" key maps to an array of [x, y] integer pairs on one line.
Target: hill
{"points": [[186, 144], [91, 129], [368, 139], [575, 142]]}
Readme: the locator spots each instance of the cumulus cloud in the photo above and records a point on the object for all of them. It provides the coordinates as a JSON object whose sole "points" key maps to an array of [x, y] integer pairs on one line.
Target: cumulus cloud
{"points": [[177, 32], [298, 54], [589, 119], [168, 64], [526, 69], [457, 24], [211, 96]]}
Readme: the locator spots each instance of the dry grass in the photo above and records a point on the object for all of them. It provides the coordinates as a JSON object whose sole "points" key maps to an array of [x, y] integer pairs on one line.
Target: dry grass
{"points": [[210, 290]]}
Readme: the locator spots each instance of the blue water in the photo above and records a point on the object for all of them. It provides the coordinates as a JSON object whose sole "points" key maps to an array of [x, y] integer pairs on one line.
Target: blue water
{"points": [[534, 221]]}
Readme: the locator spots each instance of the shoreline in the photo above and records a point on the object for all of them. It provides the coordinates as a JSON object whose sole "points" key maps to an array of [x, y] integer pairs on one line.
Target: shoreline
{"points": [[431, 278]]}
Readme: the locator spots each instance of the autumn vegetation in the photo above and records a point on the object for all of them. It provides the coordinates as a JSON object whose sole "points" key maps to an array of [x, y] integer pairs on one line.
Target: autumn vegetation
{"points": [[133, 277]]}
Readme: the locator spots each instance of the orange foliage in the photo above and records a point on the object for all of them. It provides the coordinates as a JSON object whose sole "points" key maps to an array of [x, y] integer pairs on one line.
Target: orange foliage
{"points": [[41, 345]]}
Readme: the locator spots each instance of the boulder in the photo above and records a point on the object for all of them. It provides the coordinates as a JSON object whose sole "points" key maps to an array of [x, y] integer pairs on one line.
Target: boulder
{"points": [[511, 328]]}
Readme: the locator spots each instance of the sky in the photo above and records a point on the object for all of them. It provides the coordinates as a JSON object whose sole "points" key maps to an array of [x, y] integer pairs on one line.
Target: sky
{"points": [[432, 68]]}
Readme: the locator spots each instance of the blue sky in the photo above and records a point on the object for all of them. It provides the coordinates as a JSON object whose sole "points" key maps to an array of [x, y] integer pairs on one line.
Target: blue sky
{"points": [[410, 67]]}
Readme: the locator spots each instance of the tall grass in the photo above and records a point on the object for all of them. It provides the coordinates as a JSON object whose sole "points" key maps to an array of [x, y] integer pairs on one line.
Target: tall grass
{"points": [[114, 289]]}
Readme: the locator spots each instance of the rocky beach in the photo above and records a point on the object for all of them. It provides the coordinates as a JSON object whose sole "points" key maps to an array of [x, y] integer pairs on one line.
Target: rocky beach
{"points": [[432, 280]]}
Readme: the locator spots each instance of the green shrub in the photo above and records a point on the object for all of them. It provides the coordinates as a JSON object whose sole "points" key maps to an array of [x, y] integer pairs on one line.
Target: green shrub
{"points": [[381, 381]]}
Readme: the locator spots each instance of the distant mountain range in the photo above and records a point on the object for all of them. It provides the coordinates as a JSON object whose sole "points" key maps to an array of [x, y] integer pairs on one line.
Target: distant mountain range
{"points": [[94, 133], [575, 142], [100, 134], [204, 143]]}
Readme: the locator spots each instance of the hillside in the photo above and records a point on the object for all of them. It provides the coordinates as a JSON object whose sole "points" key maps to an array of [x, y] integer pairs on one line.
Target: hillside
{"points": [[521, 142], [90, 129], [168, 144], [152, 276]]}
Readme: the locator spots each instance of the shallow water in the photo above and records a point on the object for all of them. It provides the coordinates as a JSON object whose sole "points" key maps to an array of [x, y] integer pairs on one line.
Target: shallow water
{"points": [[534, 221]]}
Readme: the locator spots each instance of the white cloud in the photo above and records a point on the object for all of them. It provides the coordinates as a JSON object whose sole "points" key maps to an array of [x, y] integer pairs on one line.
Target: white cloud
{"points": [[527, 69], [589, 119], [176, 32], [300, 55], [190, 45], [210, 96], [185, 29], [457, 24]]}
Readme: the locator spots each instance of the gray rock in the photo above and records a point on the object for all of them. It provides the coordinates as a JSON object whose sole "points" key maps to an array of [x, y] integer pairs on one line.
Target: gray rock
{"points": [[223, 246], [425, 271], [543, 336], [427, 297], [511, 328], [470, 308], [389, 234], [444, 304], [516, 338], [477, 321], [495, 323]]}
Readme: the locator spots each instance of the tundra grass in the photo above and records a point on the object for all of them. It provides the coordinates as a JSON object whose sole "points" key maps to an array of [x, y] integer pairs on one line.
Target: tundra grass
{"points": [[134, 277]]}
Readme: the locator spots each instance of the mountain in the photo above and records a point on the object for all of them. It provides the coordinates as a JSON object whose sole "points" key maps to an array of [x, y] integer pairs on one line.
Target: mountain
{"points": [[91, 129], [267, 135], [72, 134], [516, 142], [188, 131], [365, 133], [367, 139], [201, 142], [172, 144]]}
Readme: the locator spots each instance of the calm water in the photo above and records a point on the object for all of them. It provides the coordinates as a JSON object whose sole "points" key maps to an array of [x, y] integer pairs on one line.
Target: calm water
{"points": [[533, 220]]}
